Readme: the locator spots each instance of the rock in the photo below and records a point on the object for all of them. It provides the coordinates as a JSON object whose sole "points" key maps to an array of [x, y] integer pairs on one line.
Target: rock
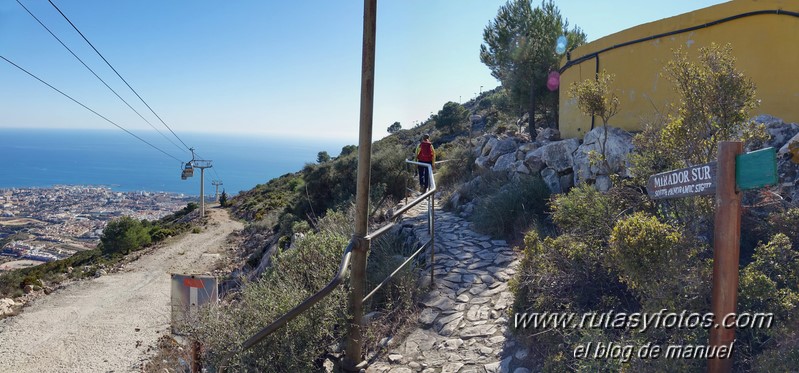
{"points": [[779, 132], [442, 322], [477, 331], [566, 182], [528, 147], [6, 306], [547, 134], [552, 180], [329, 366], [521, 168], [501, 148], [790, 147], [469, 209], [455, 199], [521, 370], [483, 162], [505, 163], [489, 145], [492, 367], [453, 344], [395, 358], [534, 162], [558, 155], [617, 148], [100, 272], [479, 143], [451, 327], [504, 366], [452, 368], [603, 183], [28, 289]]}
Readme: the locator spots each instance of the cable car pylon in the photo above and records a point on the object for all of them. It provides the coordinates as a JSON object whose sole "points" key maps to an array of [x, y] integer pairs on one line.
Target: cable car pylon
{"points": [[216, 183], [188, 171]]}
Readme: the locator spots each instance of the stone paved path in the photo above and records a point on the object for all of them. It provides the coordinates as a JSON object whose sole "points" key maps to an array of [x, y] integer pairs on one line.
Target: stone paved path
{"points": [[463, 325]]}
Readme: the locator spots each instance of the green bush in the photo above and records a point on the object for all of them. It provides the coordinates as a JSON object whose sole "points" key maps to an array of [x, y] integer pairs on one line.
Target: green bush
{"points": [[295, 275], [158, 233], [458, 168], [451, 118], [641, 245], [395, 304], [389, 168], [586, 212], [786, 222], [513, 208], [770, 283], [12, 283], [123, 235], [564, 273]]}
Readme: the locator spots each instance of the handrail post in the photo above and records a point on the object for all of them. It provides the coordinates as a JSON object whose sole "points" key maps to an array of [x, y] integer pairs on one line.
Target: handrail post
{"points": [[431, 217], [358, 277]]}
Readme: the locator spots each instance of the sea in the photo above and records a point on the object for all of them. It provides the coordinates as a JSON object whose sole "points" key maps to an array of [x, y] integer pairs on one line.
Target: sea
{"points": [[113, 158]]}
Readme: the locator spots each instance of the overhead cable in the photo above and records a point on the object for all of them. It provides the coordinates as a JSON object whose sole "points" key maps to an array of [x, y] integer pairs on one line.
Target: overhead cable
{"points": [[96, 76], [89, 109], [115, 71]]}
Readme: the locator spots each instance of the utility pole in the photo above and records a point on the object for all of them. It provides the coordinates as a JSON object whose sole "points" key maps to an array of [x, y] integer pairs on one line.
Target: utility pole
{"points": [[216, 183], [353, 356]]}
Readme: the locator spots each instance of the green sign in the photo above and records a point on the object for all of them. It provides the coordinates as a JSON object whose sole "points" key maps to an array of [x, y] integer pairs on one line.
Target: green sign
{"points": [[756, 169]]}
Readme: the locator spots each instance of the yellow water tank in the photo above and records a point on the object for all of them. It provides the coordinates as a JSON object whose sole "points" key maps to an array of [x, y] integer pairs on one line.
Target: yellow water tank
{"points": [[764, 36]]}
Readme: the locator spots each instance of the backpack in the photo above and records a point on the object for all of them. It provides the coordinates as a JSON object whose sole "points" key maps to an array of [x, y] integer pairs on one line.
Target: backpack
{"points": [[425, 152]]}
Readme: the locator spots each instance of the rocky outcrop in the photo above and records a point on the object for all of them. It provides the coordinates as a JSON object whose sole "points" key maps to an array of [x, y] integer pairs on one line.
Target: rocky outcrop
{"points": [[780, 133], [7, 307], [604, 152], [556, 161], [563, 164]]}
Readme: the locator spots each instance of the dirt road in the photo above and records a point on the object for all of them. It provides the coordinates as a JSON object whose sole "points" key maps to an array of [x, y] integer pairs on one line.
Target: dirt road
{"points": [[106, 324]]}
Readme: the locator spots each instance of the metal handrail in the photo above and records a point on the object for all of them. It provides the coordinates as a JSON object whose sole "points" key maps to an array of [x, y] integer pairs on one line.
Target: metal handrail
{"points": [[343, 269], [296, 311]]}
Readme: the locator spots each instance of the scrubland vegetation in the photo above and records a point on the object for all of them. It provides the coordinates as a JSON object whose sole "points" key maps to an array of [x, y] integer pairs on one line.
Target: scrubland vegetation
{"points": [[120, 237], [621, 251], [582, 251]]}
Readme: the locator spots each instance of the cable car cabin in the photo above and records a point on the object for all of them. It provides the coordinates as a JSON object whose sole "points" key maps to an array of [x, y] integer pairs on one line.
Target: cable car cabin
{"points": [[188, 171]]}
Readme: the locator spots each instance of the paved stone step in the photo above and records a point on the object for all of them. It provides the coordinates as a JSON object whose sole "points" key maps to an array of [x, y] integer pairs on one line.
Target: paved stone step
{"points": [[463, 323]]}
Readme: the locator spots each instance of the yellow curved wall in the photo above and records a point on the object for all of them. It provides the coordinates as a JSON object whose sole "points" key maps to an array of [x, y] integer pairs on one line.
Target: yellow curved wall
{"points": [[766, 48]]}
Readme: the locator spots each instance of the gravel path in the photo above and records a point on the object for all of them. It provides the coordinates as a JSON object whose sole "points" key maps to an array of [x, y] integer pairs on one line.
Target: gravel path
{"points": [[107, 324]]}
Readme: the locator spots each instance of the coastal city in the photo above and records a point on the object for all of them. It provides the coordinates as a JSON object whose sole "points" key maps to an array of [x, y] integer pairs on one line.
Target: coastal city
{"points": [[43, 224]]}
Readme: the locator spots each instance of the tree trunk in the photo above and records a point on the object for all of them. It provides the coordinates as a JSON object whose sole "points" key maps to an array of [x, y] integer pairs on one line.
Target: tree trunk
{"points": [[531, 111]]}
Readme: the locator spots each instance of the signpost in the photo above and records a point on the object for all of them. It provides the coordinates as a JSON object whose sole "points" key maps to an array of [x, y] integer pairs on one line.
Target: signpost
{"points": [[685, 182], [731, 173]]}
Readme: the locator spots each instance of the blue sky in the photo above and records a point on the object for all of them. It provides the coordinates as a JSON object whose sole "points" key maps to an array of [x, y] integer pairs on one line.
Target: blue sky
{"points": [[278, 68]]}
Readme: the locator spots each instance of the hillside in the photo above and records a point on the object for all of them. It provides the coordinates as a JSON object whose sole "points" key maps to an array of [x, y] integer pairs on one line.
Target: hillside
{"points": [[588, 239], [112, 322]]}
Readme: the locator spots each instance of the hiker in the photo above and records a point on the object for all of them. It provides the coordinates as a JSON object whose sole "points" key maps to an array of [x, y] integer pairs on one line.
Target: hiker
{"points": [[425, 153]]}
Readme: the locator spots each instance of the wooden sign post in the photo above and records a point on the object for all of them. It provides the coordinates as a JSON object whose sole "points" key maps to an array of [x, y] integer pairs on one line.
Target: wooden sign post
{"points": [[725, 178], [726, 253]]}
